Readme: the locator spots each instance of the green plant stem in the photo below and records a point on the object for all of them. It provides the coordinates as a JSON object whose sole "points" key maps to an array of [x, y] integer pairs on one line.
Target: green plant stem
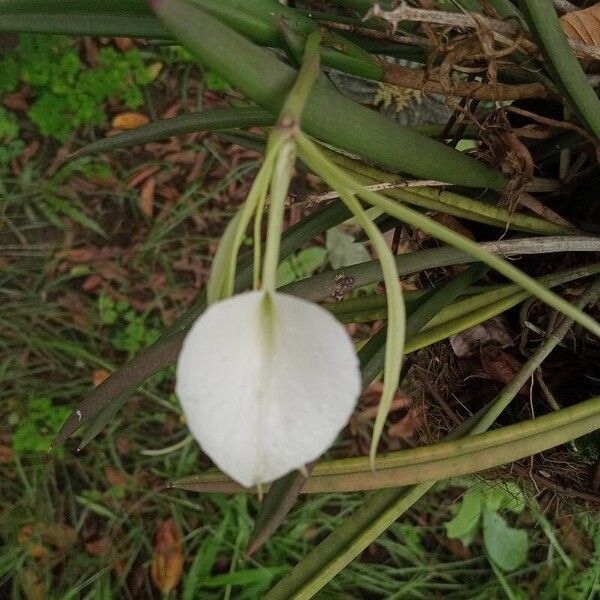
{"points": [[396, 324], [286, 130], [282, 174], [218, 119], [222, 275]]}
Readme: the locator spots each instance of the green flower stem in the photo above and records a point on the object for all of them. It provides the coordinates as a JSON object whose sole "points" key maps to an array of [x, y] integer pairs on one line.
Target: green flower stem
{"points": [[222, 275], [280, 182], [396, 325], [415, 219], [287, 128]]}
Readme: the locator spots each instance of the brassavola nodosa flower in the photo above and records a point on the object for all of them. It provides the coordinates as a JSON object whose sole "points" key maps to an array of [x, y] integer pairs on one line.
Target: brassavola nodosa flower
{"points": [[266, 382]]}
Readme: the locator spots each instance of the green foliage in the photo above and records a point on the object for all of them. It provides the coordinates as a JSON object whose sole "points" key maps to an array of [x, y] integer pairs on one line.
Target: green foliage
{"points": [[38, 426], [301, 265], [130, 331], [479, 509], [10, 145], [506, 546], [67, 93], [342, 250], [214, 82]]}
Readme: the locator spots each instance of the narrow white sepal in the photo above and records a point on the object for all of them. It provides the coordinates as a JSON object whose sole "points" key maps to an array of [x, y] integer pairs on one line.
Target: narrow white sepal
{"points": [[266, 382]]}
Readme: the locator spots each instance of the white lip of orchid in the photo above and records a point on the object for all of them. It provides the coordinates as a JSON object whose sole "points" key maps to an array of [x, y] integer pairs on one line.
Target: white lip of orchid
{"points": [[266, 382]]}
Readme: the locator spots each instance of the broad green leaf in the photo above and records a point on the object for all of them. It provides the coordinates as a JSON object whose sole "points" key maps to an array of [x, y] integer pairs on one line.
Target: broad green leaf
{"points": [[126, 18], [342, 250], [300, 266], [504, 495], [465, 524], [505, 545]]}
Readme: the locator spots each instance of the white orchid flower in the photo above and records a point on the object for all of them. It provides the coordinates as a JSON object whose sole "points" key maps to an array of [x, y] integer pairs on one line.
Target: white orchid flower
{"points": [[266, 382]]}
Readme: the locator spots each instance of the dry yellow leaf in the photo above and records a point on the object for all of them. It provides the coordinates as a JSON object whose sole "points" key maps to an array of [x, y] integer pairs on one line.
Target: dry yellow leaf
{"points": [[129, 120], [146, 201], [166, 567], [583, 25]]}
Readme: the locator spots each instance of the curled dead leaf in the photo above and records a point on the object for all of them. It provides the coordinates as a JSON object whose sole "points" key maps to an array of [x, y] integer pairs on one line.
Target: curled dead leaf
{"points": [[583, 25], [129, 120], [146, 201], [166, 568], [500, 365], [114, 476], [124, 43], [6, 454], [98, 547], [99, 376], [493, 331]]}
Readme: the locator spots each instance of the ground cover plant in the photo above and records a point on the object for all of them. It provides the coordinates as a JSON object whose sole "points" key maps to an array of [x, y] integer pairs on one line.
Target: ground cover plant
{"points": [[460, 254]]}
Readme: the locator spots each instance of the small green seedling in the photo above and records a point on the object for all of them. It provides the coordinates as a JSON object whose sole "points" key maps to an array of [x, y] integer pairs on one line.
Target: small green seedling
{"points": [[479, 512], [38, 426]]}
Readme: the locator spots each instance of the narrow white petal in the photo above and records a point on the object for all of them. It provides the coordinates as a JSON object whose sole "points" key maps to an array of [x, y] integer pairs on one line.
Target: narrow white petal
{"points": [[259, 405]]}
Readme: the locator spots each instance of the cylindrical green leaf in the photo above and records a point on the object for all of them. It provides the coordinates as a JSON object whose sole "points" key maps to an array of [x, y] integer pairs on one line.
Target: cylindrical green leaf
{"points": [[331, 117]]}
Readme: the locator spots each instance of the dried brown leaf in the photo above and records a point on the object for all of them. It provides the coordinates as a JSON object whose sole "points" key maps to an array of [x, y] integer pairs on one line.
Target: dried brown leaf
{"points": [[6, 454], [124, 43], [499, 364], [166, 568], [146, 200], [98, 547], [129, 120], [493, 331], [583, 25], [114, 476]]}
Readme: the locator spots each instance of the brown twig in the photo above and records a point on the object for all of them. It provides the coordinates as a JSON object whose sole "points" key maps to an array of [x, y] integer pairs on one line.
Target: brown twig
{"points": [[558, 124], [420, 79], [466, 20]]}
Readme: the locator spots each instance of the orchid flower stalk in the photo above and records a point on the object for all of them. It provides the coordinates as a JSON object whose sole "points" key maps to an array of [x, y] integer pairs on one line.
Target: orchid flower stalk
{"points": [[266, 380]]}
